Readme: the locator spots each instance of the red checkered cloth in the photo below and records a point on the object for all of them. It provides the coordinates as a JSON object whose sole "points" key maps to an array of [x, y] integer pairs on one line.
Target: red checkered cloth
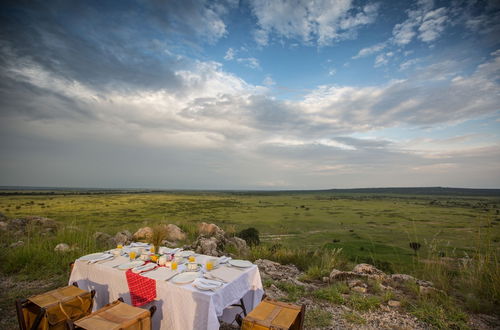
{"points": [[142, 289]]}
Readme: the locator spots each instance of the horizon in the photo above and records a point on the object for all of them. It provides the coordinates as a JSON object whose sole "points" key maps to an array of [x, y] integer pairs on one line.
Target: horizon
{"points": [[256, 95]]}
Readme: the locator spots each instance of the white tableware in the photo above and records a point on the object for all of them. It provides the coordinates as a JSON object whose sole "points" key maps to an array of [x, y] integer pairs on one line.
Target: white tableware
{"points": [[186, 277], [116, 252], [132, 264], [192, 266], [206, 285], [185, 254], [240, 263], [92, 256], [162, 260], [145, 257], [144, 268]]}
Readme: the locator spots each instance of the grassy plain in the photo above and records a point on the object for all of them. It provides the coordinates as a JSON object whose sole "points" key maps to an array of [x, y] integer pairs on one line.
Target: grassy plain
{"points": [[365, 226], [373, 228]]}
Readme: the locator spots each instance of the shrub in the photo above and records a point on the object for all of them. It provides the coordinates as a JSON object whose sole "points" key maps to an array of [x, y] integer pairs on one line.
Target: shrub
{"points": [[250, 235]]}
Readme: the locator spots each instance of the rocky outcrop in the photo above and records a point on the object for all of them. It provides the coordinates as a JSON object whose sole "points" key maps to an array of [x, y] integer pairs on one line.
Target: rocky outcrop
{"points": [[144, 233], [17, 244], [208, 229], [214, 242], [104, 239], [174, 233], [361, 271], [123, 237], [40, 224], [276, 271]]}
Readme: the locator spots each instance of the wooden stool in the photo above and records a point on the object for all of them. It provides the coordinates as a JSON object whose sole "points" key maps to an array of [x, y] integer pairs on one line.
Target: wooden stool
{"points": [[50, 310], [116, 315], [273, 314]]}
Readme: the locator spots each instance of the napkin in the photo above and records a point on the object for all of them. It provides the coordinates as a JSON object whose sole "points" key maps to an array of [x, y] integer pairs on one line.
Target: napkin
{"points": [[103, 257], [225, 273], [138, 244], [164, 250], [224, 259], [161, 273]]}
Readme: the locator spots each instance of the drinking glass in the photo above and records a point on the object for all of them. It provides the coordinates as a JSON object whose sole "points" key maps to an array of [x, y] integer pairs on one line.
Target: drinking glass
{"points": [[210, 264], [132, 255], [173, 265], [191, 258], [152, 249]]}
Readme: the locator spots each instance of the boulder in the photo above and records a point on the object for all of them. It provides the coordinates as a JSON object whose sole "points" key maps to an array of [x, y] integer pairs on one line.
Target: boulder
{"points": [[174, 233], [239, 244], [355, 282], [103, 238], [370, 271], [359, 289], [144, 233], [402, 278], [45, 225], [17, 244], [209, 229], [275, 270], [208, 246], [123, 237], [62, 247], [339, 275]]}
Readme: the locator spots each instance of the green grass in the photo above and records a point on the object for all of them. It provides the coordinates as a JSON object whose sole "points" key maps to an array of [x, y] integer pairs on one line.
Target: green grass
{"points": [[294, 292], [363, 303], [354, 318], [332, 293], [440, 311], [317, 318]]}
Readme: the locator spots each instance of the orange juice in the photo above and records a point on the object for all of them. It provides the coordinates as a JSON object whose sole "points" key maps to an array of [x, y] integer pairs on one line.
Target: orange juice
{"points": [[119, 246], [173, 265], [132, 255], [154, 258], [191, 259], [152, 249], [210, 265]]}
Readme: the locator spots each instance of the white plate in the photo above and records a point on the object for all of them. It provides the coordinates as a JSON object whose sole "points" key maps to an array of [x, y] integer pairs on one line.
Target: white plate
{"points": [[187, 277], [144, 268], [240, 263], [185, 254], [132, 264], [206, 285], [92, 256]]}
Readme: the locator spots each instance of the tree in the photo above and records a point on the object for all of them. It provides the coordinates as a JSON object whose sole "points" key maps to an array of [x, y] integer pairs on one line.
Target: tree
{"points": [[415, 246], [250, 235]]}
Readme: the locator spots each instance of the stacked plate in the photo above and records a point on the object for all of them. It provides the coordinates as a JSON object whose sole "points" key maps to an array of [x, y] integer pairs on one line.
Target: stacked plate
{"points": [[186, 277], [240, 263], [206, 284]]}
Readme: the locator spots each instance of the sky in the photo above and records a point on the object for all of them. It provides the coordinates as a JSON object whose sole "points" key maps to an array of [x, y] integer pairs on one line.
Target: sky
{"points": [[250, 94]]}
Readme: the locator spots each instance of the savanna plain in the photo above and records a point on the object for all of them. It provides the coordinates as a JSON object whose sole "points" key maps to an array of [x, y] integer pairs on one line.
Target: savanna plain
{"points": [[294, 227]]}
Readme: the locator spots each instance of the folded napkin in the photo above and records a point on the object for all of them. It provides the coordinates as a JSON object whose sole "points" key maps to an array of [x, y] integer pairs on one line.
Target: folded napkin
{"points": [[224, 259], [164, 250], [206, 284], [226, 274], [103, 257], [142, 289], [138, 244], [161, 273]]}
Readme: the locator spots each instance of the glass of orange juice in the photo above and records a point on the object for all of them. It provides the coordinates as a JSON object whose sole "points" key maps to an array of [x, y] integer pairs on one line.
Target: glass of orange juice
{"points": [[210, 264], [152, 249], [119, 246], [191, 258], [173, 265], [132, 255]]}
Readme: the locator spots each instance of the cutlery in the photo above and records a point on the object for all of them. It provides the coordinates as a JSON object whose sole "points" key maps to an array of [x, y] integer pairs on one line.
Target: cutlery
{"points": [[171, 277]]}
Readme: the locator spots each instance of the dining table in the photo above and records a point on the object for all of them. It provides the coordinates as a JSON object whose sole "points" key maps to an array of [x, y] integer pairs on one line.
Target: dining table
{"points": [[181, 304]]}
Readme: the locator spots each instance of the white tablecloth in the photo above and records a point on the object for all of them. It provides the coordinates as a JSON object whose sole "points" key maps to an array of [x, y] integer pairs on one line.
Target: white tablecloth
{"points": [[179, 307]]}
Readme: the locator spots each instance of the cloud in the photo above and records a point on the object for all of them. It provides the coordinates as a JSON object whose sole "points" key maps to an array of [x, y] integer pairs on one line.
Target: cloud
{"points": [[230, 54], [320, 22], [370, 50], [250, 62], [268, 81], [423, 22]]}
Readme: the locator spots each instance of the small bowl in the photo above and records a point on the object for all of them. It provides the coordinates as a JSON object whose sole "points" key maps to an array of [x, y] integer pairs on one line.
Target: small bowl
{"points": [[192, 266]]}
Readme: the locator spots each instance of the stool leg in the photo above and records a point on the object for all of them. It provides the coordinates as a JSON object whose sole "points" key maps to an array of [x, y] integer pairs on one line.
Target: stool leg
{"points": [[20, 315], [38, 319]]}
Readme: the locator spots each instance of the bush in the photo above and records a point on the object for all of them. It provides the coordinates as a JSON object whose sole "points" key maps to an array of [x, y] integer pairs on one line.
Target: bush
{"points": [[250, 235]]}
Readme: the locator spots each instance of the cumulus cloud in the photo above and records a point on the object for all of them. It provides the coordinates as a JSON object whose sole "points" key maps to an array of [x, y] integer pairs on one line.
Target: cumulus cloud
{"points": [[370, 50], [423, 22], [320, 22]]}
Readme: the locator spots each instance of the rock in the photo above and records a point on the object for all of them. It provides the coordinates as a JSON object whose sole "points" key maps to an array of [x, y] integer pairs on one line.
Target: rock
{"points": [[43, 224], [208, 229], [277, 271], [17, 244], [144, 233], [338, 275], [326, 279], [170, 244], [394, 303], [62, 247], [359, 289], [123, 237], [427, 290], [401, 278], [369, 270], [207, 245], [3, 225], [103, 238], [355, 282], [174, 233], [239, 244]]}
